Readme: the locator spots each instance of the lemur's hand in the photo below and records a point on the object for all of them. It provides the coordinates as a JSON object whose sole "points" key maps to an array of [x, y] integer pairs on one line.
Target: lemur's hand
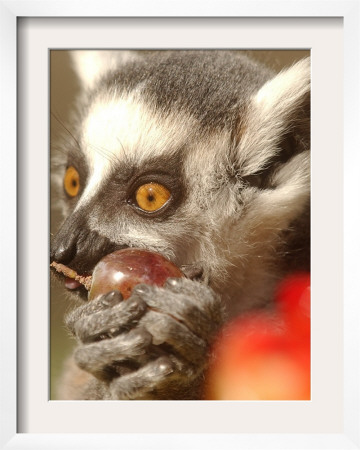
{"points": [[154, 345]]}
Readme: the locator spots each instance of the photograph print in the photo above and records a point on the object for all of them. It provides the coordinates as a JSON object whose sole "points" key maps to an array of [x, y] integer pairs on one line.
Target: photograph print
{"points": [[180, 225]]}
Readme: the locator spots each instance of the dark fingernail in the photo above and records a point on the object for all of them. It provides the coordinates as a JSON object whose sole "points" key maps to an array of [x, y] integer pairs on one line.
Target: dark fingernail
{"points": [[172, 282], [136, 304], [112, 298], [141, 289], [164, 366], [193, 271]]}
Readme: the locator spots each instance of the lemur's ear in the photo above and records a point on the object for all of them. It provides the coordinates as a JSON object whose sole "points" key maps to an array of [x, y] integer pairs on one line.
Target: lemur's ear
{"points": [[90, 65], [280, 108]]}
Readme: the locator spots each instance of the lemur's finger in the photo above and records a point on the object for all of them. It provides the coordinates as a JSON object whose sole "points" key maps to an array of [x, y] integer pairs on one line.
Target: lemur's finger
{"points": [[111, 321], [99, 356], [189, 302], [104, 302], [194, 271], [166, 329], [199, 294], [143, 382]]}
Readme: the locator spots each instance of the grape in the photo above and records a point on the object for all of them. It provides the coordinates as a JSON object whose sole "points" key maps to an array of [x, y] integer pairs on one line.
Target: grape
{"points": [[124, 269]]}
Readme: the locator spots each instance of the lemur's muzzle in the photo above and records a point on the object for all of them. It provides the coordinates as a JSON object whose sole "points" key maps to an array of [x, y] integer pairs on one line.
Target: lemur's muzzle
{"points": [[77, 247]]}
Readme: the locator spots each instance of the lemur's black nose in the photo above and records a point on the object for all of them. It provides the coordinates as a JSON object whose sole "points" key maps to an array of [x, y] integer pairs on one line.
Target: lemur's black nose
{"points": [[64, 244], [77, 247], [62, 251]]}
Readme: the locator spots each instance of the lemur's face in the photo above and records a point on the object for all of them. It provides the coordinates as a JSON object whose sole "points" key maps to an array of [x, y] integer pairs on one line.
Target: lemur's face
{"points": [[152, 161], [133, 180]]}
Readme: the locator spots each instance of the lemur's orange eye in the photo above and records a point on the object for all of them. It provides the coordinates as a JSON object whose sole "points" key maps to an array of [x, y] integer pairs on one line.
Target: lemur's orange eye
{"points": [[152, 196], [72, 181]]}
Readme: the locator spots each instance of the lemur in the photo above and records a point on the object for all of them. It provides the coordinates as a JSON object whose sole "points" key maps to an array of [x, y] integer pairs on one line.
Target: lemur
{"points": [[228, 142]]}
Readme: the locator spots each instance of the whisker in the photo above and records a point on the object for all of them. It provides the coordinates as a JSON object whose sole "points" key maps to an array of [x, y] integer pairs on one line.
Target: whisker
{"points": [[125, 156], [103, 151], [62, 124]]}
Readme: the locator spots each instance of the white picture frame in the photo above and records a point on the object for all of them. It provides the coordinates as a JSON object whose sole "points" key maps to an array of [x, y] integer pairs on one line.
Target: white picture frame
{"points": [[11, 325]]}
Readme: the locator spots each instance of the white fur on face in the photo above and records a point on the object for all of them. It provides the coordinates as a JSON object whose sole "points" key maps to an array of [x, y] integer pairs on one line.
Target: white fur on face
{"points": [[125, 128]]}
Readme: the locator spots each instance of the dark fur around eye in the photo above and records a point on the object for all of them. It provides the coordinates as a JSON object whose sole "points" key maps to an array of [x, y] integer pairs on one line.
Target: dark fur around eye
{"points": [[77, 160], [169, 182], [167, 171]]}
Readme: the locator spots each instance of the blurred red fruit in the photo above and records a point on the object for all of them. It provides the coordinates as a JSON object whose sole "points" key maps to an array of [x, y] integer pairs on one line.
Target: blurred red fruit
{"points": [[266, 356], [293, 302]]}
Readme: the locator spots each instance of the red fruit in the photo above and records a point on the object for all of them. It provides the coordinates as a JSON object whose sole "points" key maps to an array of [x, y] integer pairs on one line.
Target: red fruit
{"points": [[257, 358], [124, 269], [292, 301]]}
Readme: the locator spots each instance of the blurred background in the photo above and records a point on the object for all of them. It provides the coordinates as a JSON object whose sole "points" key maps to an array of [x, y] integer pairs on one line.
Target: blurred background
{"points": [[64, 88]]}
